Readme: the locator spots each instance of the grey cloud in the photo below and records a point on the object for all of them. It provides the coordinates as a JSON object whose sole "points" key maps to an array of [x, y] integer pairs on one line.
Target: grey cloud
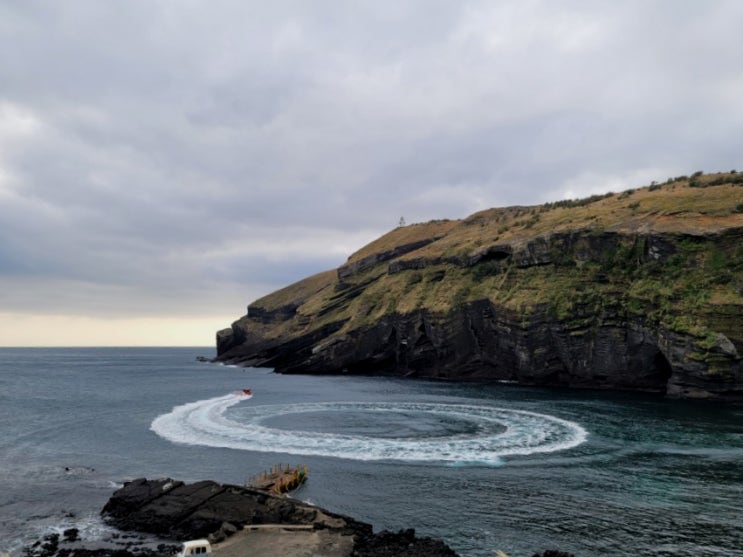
{"points": [[182, 150]]}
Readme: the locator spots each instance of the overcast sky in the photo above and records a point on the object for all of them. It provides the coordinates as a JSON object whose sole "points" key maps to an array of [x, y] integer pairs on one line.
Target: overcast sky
{"points": [[164, 163]]}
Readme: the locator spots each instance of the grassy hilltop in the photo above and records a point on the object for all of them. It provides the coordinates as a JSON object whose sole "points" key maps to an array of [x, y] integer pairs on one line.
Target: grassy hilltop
{"points": [[666, 259]]}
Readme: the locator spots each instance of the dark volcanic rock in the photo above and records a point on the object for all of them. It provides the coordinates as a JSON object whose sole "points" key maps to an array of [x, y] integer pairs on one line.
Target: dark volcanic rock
{"points": [[401, 544], [176, 510], [46, 547], [622, 324], [481, 341], [137, 493], [163, 551]]}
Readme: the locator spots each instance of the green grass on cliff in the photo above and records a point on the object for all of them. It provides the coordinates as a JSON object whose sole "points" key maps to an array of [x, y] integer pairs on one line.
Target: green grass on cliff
{"points": [[403, 235], [674, 207], [697, 290], [299, 292]]}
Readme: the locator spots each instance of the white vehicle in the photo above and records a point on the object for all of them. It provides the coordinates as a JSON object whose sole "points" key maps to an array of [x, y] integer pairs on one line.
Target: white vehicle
{"points": [[196, 548]]}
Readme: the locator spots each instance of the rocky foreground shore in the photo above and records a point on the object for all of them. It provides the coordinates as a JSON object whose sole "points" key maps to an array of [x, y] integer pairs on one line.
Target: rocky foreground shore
{"points": [[239, 522]]}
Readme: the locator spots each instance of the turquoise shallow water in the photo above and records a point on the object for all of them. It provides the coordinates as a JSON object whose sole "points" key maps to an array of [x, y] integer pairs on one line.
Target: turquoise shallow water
{"points": [[485, 467]]}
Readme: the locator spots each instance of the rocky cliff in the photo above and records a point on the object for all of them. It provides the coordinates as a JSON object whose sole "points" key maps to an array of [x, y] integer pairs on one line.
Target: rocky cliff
{"points": [[641, 290]]}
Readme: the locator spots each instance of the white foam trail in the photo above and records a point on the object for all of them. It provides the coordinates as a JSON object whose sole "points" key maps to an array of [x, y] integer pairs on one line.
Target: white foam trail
{"points": [[497, 432]]}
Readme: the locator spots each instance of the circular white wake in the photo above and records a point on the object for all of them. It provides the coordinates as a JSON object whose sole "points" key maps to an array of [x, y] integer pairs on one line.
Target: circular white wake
{"points": [[494, 432]]}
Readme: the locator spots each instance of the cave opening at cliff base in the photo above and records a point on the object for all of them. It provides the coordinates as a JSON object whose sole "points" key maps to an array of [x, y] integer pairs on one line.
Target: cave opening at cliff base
{"points": [[663, 370]]}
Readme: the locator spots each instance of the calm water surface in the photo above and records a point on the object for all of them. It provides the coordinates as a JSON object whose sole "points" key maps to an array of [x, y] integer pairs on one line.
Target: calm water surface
{"points": [[484, 467]]}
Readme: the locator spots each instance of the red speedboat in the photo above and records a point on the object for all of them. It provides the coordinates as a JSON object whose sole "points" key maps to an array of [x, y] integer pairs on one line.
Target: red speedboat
{"points": [[247, 391]]}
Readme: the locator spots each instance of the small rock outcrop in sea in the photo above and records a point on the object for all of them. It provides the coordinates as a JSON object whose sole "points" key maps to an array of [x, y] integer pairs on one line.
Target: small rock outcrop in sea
{"points": [[641, 290]]}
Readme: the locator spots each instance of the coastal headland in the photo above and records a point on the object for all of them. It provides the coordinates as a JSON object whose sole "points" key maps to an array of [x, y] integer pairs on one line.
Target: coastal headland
{"points": [[639, 290]]}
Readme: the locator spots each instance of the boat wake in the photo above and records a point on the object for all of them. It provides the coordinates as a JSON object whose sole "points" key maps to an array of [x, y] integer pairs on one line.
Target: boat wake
{"points": [[483, 436]]}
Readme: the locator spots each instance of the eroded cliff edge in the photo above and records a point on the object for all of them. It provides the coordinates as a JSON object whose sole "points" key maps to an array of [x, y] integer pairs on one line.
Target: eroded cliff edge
{"points": [[641, 290]]}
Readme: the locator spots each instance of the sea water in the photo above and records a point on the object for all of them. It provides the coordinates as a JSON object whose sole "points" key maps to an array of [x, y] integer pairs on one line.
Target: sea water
{"points": [[484, 467]]}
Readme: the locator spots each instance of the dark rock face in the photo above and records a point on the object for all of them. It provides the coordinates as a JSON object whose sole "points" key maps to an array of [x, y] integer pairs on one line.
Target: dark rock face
{"points": [[607, 339], [175, 510], [401, 544], [484, 342], [356, 267]]}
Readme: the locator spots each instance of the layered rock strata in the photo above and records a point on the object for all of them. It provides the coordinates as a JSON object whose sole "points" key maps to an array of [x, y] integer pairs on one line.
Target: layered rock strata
{"points": [[640, 291]]}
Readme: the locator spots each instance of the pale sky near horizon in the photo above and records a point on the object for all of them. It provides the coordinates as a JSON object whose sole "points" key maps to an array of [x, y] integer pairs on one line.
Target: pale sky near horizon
{"points": [[165, 163]]}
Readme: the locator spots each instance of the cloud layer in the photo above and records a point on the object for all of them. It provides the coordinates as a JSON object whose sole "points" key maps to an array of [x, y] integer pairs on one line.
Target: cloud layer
{"points": [[176, 158]]}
